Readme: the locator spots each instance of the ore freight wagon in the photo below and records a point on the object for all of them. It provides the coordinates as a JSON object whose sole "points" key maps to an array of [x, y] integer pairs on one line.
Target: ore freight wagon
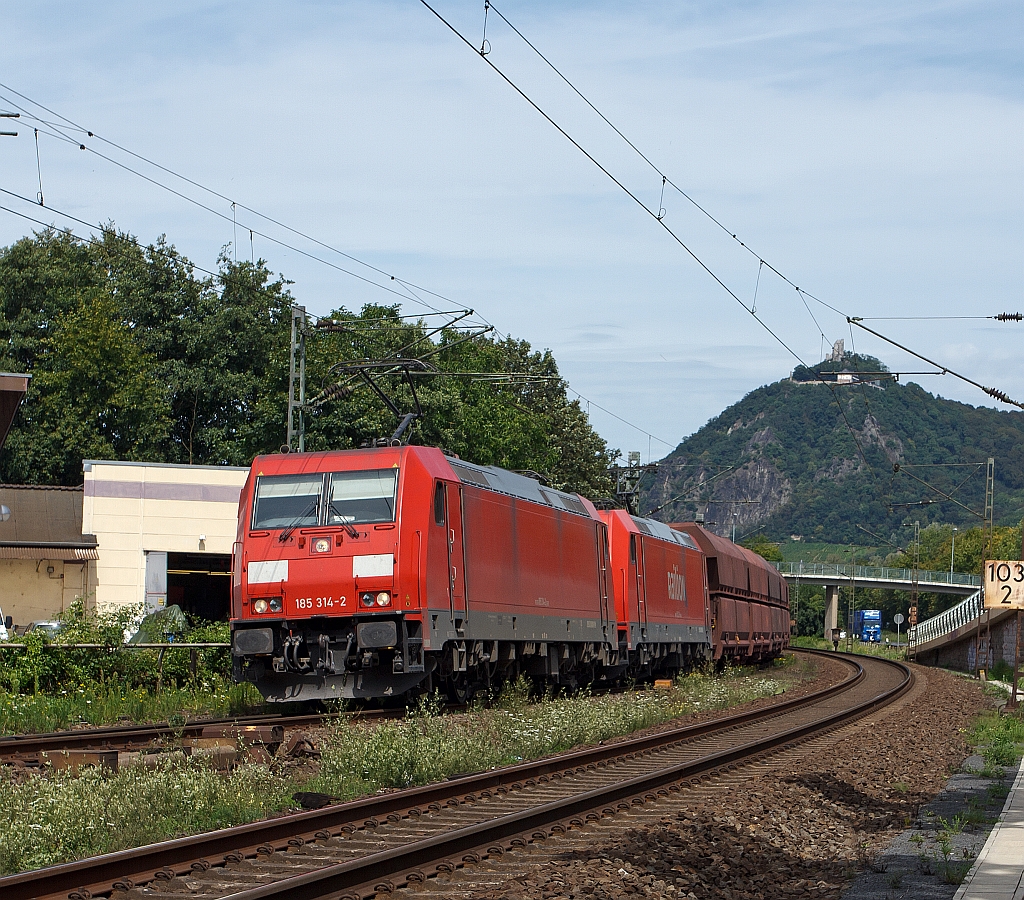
{"points": [[372, 573], [748, 598]]}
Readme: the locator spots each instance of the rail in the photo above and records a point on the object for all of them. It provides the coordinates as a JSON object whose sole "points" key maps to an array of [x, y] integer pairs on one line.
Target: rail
{"points": [[322, 831], [965, 612], [876, 573]]}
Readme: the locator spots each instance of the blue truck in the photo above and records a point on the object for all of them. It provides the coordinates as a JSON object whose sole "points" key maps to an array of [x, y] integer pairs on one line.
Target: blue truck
{"points": [[867, 625]]}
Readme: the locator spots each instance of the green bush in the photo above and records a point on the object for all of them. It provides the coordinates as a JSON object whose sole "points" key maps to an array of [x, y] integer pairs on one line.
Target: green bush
{"points": [[40, 667]]}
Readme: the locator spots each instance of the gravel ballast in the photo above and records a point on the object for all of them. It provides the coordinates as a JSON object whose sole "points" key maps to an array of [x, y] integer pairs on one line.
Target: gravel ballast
{"points": [[802, 824]]}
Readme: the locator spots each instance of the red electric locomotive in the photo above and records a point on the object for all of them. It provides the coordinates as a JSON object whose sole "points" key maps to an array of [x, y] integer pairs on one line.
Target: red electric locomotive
{"points": [[368, 573], [660, 591]]}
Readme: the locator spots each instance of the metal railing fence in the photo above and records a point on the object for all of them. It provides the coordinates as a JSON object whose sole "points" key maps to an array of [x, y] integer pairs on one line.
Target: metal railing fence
{"points": [[965, 612], [876, 573]]}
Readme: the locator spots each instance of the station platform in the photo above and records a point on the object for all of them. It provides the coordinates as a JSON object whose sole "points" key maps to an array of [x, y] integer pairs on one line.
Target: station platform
{"points": [[998, 872]]}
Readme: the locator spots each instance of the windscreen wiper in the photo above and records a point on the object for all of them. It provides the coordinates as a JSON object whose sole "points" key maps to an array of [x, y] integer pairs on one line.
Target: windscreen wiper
{"points": [[287, 533]]}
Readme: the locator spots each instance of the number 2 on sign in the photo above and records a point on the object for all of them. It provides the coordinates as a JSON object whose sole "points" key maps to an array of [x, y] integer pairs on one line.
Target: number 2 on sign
{"points": [[1001, 574]]}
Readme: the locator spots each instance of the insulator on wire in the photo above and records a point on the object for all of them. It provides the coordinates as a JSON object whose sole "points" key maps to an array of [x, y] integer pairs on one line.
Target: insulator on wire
{"points": [[1009, 317], [334, 392], [1003, 396]]}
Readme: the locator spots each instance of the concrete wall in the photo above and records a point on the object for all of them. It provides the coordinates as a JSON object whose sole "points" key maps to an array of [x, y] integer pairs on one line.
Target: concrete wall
{"points": [[29, 592], [961, 652], [133, 508]]}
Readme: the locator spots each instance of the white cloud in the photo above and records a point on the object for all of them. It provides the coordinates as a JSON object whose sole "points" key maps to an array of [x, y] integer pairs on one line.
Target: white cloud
{"points": [[869, 151]]}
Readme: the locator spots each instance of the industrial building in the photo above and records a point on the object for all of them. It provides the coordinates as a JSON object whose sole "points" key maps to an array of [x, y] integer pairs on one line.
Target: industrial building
{"points": [[134, 534], [163, 533]]}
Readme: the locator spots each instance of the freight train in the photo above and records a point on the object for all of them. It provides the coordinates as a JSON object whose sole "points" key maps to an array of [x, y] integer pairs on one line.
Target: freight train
{"points": [[389, 570]]}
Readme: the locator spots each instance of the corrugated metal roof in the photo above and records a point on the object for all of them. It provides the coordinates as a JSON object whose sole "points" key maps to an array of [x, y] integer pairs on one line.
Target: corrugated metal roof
{"points": [[40, 551]]}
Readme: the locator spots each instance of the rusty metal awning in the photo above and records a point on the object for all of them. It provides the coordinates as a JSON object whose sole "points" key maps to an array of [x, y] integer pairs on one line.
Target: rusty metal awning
{"points": [[41, 551], [12, 389]]}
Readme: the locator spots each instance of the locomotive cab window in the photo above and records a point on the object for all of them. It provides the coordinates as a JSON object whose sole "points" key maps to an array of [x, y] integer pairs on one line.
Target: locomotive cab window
{"points": [[362, 498], [439, 503], [287, 501]]}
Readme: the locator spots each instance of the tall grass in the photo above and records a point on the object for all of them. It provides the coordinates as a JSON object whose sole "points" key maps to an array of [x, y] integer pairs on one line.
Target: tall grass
{"points": [[429, 747], [54, 816], [114, 703]]}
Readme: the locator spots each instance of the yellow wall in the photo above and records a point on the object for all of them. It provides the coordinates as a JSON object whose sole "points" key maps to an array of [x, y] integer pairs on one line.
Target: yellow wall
{"points": [[127, 526], [28, 593]]}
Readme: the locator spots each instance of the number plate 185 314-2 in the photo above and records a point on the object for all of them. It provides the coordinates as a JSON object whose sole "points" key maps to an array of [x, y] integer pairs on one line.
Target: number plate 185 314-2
{"points": [[1004, 584]]}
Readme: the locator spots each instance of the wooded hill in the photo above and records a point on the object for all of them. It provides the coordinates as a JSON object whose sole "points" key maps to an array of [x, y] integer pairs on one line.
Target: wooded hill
{"points": [[815, 461]]}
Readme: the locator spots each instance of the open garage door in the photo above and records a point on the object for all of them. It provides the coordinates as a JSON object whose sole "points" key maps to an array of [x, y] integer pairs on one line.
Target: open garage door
{"points": [[200, 583]]}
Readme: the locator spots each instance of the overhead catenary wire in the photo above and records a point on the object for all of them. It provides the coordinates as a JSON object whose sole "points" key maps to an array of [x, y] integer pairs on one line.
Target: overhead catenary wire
{"points": [[197, 184], [405, 295], [409, 289], [659, 216], [661, 174], [227, 280], [661, 221], [992, 392]]}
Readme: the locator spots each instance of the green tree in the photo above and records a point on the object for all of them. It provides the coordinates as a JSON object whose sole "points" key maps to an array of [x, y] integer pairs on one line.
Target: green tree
{"points": [[135, 357], [96, 396], [764, 548]]}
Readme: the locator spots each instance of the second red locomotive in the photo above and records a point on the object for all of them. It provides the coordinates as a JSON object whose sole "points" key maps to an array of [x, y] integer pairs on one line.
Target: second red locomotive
{"points": [[371, 573]]}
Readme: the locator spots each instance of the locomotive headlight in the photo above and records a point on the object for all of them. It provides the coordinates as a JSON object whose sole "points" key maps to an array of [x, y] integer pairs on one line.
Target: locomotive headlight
{"points": [[275, 604], [322, 545], [260, 605], [366, 599], [383, 598]]}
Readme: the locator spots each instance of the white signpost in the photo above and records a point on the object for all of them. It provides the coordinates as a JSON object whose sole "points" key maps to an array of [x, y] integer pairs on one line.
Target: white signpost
{"points": [[898, 619]]}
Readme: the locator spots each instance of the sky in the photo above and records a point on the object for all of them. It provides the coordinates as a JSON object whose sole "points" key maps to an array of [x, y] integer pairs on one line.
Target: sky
{"points": [[869, 152]]}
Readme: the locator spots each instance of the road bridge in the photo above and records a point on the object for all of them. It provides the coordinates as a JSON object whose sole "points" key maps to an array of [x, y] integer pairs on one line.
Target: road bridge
{"points": [[835, 575]]}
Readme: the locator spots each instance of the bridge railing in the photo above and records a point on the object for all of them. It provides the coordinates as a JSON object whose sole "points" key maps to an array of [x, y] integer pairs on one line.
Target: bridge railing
{"points": [[876, 573], [965, 612]]}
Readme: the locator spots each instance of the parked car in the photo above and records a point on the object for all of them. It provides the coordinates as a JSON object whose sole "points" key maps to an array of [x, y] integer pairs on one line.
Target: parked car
{"points": [[6, 626], [48, 629]]}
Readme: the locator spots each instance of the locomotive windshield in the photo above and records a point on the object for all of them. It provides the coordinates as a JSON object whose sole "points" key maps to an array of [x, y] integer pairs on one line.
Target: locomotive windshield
{"points": [[362, 497], [353, 498], [287, 501]]}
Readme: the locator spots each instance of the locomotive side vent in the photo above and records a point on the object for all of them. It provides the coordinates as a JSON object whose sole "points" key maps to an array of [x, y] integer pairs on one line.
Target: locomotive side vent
{"points": [[470, 475], [574, 504]]}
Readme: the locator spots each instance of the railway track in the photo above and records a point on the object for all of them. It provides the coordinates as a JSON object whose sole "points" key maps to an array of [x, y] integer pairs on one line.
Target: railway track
{"points": [[29, 748], [402, 840]]}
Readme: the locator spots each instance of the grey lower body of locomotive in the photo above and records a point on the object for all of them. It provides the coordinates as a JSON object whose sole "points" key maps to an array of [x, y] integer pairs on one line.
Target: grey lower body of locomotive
{"points": [[376, 657]]}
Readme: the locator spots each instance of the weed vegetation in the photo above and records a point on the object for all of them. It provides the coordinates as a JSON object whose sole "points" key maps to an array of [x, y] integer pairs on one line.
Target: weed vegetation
{"points": [[46, 687], [51, 817], [1000, 739], [54, 817], [428, 747], [884, 650], [117, 703]]}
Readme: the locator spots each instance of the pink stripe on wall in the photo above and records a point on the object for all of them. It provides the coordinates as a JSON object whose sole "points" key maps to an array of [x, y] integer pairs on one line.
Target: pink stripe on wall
{"points": [[163, 490]]}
